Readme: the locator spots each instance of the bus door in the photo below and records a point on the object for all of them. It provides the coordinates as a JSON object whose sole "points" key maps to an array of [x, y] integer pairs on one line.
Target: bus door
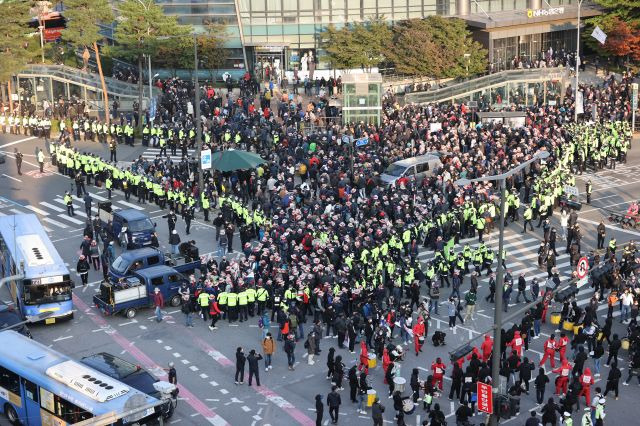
{"points": [[30, 400]]}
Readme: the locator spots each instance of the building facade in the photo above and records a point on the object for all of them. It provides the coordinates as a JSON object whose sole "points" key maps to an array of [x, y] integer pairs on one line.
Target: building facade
{"points": [[285, 34]]}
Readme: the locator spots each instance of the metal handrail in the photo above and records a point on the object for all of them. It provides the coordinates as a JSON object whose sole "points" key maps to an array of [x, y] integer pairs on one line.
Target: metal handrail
{"points": [[459, 89], [82, 78]]}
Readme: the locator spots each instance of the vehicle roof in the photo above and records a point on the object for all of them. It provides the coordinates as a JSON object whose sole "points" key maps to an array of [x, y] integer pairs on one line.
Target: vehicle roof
{"points": [[416, 160], [31, 360], [138, 253], [154, 271], [28, 242], [131, 214]]}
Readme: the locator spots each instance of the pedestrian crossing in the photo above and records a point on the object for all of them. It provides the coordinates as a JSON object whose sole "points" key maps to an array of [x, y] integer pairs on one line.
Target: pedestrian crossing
{"points": [[53, 212], [151, 154], [522, 258]]}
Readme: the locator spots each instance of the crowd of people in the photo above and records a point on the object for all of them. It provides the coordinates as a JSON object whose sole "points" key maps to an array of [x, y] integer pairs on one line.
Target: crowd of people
{"points": [[324, 239]]}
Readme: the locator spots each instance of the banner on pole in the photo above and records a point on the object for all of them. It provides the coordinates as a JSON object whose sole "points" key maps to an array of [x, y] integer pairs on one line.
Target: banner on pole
{"points": [[205, 159], [599, 35], [485, 398], [579, 103]]}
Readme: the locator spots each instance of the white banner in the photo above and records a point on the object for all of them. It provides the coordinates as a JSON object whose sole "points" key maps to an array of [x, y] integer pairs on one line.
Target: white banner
{"points": [[599, 35], [579, 103]]}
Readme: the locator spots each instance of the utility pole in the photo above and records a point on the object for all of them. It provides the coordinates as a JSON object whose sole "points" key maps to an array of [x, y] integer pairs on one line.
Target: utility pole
{"points": [[197, 114]]}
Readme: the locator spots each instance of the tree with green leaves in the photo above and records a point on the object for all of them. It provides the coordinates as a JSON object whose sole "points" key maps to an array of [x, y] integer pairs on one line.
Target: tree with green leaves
{"points": [[436, 47], [412, 44], [211, 48], [361, 45], [142, 28], [15, 37], [82, 31]]}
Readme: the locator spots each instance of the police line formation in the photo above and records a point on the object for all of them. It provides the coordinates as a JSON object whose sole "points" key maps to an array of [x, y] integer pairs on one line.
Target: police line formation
{"points": [[346, 250]]}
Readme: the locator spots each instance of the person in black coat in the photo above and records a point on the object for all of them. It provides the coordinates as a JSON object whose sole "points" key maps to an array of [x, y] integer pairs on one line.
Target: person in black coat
{"points": [[319, 410], [82, 267], [253, 359], [334, 402], [541, 383], [549, 413], [240, 361], [397, 402], [330, 362], [415, 385], [456, 381], [525, 368], [338, 372], [613, 379], [353, 383]]}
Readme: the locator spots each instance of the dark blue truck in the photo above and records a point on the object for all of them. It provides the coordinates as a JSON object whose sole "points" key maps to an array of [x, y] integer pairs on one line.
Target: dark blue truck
{"points": [[128, 295], [131, 261]]}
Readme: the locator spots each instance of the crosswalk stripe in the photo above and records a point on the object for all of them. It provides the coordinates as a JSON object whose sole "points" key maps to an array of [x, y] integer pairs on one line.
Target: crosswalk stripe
{"points": [[16, 211], [97, 197], [51, 206], [56, 223], [80, 213], [37, 210], [70, 219], [133, 206], [61, 201]]}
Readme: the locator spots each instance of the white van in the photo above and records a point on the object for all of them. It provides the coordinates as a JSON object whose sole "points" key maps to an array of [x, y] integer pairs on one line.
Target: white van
{"points": [[416, 167]]}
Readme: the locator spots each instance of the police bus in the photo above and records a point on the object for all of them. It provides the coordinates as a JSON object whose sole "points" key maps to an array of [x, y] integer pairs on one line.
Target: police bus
{"points": [[39, 386], [46, 287]]}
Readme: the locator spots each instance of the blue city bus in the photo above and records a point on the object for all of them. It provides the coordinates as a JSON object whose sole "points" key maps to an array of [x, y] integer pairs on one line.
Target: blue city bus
{"points": [[42, 387], [47, 284]]}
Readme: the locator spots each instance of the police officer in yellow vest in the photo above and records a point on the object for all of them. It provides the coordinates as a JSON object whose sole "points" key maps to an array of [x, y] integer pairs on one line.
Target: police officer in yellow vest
{"points": [[243, 302], [232, 305], [262, 295], [69, 203], [251, 298], [203, 302]]}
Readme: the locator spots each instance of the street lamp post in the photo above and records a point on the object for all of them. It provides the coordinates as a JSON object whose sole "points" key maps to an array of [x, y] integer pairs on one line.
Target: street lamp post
{"points": [[575, 112], [495, 359], [197, 114]]}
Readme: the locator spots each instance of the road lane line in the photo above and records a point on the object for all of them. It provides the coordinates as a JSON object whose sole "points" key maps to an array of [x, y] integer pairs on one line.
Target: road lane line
{"points": [[12, 178], [37, 210], [148, 363], [70, 219], [18, 141]]}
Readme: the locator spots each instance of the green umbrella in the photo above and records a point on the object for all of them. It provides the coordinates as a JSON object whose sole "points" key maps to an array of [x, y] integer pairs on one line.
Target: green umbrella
{"points": [[231, 159]]}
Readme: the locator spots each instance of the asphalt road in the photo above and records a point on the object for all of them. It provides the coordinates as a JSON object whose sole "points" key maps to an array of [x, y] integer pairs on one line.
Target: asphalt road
{"points": [[205, 359]]}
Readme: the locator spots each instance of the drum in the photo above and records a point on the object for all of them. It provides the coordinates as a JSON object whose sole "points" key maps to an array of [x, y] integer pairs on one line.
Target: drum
{"points": [[555, 318], [625, 344], [408, 406], [567, 326], [373, 361], [399, 384], [371, 397]]}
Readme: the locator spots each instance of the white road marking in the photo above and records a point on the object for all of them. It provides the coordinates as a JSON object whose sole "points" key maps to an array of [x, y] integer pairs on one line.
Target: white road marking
{"points": [[213, 383], [168, 348], [177, 354], [70, 219], [56, 223], [11, 177], [51, 206], [62, 338], [194, 368], [204, 376], [224, 391], [133, 321], [18, 141], [130, 205]]}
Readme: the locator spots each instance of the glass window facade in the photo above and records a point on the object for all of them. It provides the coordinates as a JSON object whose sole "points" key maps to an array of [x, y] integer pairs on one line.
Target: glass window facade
{"points": [[530, 47], [293, 26]]}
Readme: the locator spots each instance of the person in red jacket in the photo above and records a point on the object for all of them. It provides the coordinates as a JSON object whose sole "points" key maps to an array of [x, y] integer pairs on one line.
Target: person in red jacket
{"points": [[487, 348], [475, 351], [214, 311], [586, 380], [562, 381], [550, 347], [438, 372], [158, 302], [419, 334], [563, 342], [386, 360], [516, 343], [364, 357]]}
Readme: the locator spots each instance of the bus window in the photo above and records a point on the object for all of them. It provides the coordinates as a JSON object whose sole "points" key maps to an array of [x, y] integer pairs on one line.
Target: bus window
{"points": [[69, 412], [157, 281], [9, 380], [38, 294]]}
